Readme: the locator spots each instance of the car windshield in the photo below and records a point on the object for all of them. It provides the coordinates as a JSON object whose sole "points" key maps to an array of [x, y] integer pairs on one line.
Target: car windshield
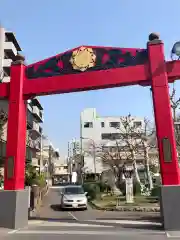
{"points": [[74, 190]]}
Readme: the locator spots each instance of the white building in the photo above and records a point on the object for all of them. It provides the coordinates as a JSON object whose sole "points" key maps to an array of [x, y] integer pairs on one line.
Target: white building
{"points": [[60, 169], [97, 131]]}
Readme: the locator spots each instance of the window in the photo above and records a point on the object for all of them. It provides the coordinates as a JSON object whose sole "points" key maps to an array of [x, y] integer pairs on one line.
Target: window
{"points": [[65, 167], [88, 125], [105, 149], [102, 124], [114, 124], [137, 124], [110, 136], [73, 190]]}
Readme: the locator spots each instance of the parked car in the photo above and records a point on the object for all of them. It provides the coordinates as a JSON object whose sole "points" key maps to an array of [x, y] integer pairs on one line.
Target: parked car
{"points": [[73, 197]]}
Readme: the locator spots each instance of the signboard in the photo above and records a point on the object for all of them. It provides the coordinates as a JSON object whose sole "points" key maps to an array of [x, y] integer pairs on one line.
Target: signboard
{"points": [[167, 150], [10, 167]]}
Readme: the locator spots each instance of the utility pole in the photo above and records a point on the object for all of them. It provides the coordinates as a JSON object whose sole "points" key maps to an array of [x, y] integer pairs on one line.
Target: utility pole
{"points": [[50, 160], [41, 153], [70, 162]]}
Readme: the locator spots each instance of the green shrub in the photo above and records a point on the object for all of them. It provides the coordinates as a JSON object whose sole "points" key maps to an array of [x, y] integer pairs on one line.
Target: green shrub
{"points": [[40, 180], [137, 188], [30, 175], [155, 192], [33, 177], [92, 189], [103, 186]]}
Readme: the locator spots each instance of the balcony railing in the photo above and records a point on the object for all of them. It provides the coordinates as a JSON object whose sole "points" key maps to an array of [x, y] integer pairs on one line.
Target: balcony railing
{"points": [[29, 119], [7, 63], [10, 50], [37, 113], [6, 79], [37, 128]]}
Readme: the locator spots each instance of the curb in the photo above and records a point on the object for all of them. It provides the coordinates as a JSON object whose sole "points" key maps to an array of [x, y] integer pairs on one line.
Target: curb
{"points": [[125, 209]]}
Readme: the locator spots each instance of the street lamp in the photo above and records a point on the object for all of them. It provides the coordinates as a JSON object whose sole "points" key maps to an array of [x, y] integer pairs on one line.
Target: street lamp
{"points": [[94, 151]]}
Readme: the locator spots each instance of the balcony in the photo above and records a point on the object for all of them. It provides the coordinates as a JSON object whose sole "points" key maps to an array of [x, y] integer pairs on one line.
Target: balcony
{"points": [[10, 37], [37, 114], [10, 50], [28, 154], [36, 102], [37, 128], [34, 144], [7, 63], [35, 162], [6, 79], [29, 119]]}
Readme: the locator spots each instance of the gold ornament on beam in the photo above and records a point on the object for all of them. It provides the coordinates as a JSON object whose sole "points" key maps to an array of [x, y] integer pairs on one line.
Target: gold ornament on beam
{"points": [[83, 58]]}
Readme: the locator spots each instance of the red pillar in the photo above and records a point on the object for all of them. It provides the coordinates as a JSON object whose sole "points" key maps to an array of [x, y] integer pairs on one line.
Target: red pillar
{"points": [[163, 115], [16, 133]]}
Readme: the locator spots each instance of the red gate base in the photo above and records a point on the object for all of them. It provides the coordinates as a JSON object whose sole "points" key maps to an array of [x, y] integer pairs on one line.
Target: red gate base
{"points": [[170, 207], [14, 209]]}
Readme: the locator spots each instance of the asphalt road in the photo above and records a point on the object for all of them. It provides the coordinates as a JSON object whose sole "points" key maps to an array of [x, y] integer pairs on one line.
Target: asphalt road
{"points": [[52, 223]]}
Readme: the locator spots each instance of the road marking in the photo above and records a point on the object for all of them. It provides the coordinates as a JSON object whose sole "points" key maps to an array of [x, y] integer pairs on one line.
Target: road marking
{"points": [[130, 222], [13, 231], [66, 224], [35, 222], [103, 233], [72, 215]]}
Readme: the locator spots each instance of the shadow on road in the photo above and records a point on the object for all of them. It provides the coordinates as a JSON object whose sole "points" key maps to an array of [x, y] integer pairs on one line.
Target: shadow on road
{"points": [[56, 207], [130, 226], [51, 219], [156, 219], [143, 227]]}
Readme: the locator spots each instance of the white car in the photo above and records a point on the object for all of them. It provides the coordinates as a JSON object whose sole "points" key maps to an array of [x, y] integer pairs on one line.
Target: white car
{"points": [[73, 197]]}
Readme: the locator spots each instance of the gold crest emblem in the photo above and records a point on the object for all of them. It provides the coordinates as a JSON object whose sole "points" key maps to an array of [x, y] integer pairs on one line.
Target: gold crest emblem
{"points": [[83, 58]]}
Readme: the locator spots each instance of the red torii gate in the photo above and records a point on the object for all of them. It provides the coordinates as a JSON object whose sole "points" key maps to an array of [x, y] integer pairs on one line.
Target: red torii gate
{"points": [[89, 68]]}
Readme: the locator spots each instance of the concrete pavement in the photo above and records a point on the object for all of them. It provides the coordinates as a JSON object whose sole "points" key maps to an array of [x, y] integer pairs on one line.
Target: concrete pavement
{"points": [[51, 222], [69, 231]]}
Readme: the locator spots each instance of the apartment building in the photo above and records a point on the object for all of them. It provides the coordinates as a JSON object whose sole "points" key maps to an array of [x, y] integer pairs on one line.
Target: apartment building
{"points": [[75, 160], [49, 156], [98, 131], [34, 131], [9, 47], [60, 169]]}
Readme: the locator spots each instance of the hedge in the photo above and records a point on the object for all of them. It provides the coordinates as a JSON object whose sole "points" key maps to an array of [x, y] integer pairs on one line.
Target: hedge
{"points": [[92, 189]]}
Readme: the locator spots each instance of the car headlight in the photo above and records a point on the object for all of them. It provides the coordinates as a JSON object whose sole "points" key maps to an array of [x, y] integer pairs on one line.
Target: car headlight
{"points": [[84, 200]]}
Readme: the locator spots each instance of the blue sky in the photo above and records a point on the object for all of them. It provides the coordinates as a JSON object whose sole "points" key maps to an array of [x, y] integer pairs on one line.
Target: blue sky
{"points": [[46, 28]]}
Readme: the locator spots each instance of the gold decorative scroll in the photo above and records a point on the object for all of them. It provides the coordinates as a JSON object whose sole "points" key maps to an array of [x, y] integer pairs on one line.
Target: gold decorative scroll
{"points": [[83, 58]]}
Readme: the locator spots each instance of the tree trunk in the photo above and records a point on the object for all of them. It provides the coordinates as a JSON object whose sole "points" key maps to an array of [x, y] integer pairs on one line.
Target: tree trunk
{"points": [[146, 158], [136, 172]]}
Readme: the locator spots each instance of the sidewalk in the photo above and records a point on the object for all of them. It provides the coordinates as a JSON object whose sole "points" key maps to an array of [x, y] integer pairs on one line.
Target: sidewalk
{"points": [[4, 232]]}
